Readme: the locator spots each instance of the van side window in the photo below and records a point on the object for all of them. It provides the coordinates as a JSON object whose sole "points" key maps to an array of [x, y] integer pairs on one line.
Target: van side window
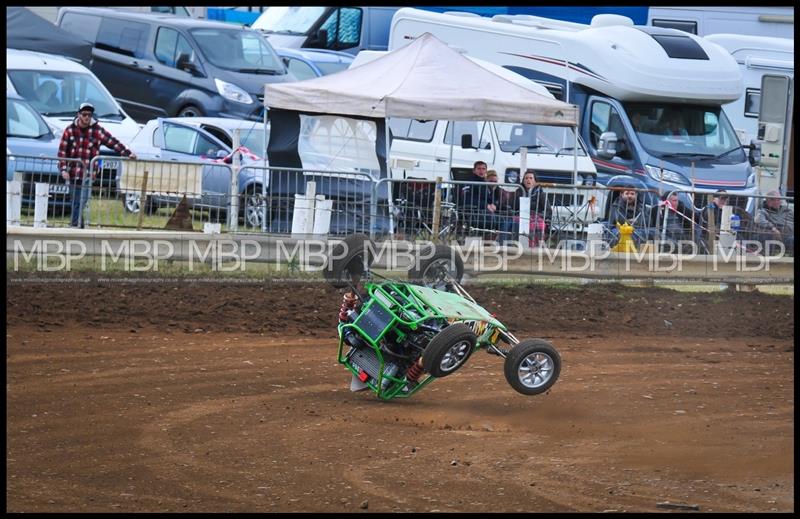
{"points": [[478, 130], [344, 28], [169, 45], [605, 118], [122, 36], [83, 25]]}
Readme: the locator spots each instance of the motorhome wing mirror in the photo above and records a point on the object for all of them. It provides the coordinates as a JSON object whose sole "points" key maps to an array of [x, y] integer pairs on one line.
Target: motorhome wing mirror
{"points": [[754, 153], [607, 145], [466, 141]]}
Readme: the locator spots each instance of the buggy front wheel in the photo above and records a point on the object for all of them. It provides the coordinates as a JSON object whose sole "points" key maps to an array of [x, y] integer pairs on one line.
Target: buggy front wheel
{"points": [[449, 350], [532, 366]]}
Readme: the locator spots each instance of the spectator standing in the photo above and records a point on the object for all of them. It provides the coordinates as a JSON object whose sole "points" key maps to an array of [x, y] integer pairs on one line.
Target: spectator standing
{"points": [[82, 140], [539, 209]]}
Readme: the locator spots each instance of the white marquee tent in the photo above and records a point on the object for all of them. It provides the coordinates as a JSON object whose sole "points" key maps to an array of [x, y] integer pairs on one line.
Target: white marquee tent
{"points": [[425, 79]]}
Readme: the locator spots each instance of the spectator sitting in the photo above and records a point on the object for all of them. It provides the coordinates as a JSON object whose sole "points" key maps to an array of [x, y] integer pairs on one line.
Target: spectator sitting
{"points": [[675, 226], [539, 208], [775, 221], [627, 209], [499, 208]]}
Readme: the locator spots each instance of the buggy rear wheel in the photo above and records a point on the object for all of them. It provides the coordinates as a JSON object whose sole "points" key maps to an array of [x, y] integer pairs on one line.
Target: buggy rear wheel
{"points": [[449, 350], [349, 260], [532, 366], [439, 269]]}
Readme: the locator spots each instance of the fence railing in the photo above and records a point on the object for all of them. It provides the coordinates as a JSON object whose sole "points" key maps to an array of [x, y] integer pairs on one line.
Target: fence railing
{"points": [[148, 194]]}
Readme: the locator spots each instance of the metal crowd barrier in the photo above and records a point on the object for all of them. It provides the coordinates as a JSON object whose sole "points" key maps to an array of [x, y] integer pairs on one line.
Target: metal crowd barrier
{"points": [[345, 202], [148, 194]]}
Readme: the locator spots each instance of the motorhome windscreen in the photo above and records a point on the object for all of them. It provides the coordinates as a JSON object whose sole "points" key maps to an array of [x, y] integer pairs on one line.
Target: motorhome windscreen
{"points": [[675, 130], [289, 20], [548, 140]]}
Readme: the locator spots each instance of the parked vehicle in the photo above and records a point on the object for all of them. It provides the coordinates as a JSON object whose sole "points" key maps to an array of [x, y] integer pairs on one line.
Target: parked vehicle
{"points": [[756, 56], [208, 140], [28, 135], [349, 29], [56, 86], [629, 82], [775, 22], [202, 140], [168, 65], [311, 63]]}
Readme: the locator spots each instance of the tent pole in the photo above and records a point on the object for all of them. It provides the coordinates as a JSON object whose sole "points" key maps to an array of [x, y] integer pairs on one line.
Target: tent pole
{"points": [[387, 150]]}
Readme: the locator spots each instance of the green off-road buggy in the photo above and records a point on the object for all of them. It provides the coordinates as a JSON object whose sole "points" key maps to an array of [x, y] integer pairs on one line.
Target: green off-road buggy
{"points": [[397, 337]]}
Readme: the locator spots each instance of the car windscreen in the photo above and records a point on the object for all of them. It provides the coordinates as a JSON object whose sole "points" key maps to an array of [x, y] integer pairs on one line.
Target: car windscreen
{"points": [[23, 121], [56, 93], [288, 20], [238, 50]]}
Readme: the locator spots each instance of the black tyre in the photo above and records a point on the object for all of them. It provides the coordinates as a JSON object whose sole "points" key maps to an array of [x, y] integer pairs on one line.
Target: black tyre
{"points": [[439, 269], [349, 260], [532, 366], [449, 350], [190, 111]]}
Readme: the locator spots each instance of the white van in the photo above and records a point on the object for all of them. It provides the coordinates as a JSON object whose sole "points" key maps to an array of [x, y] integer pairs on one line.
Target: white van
{"points": [[756, 56], [56, 86]]}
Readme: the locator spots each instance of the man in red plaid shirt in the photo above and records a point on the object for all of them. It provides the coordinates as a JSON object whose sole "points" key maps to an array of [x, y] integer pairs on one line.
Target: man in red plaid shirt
{"points": [[82, 140]]}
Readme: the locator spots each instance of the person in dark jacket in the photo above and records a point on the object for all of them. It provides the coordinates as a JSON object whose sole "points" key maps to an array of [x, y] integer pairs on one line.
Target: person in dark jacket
{"points": [[81, 140], [539, 207], [775, 221], [676, 225], [628, 209]]}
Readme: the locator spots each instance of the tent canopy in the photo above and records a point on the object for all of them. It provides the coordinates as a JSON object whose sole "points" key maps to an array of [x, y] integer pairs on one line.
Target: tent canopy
{"points": [[28, 31], [426, 79]]}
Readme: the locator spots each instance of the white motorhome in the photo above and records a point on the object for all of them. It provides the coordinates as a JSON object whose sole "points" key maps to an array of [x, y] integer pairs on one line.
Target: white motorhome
{"points": [[756, 56], [650, 98], [775, 22]]}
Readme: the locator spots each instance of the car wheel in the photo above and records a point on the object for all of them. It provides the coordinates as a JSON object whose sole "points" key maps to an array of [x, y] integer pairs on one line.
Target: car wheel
{"points": [[439, 268], [349, 260], [252, 204], [190, 111], [132, 204], [532, 366], [449, 350]]}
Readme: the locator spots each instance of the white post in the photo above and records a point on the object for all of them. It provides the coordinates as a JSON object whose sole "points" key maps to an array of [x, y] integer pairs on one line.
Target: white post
{"points": [[303, 213], [322, 217], [13, 202], [40, 204], [525, 221], [726, 236], [523, 162], [233, 206]]}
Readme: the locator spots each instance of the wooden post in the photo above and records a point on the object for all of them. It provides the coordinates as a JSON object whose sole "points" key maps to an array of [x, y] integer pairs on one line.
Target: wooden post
{"points": [[142, 201], [437, 208]]}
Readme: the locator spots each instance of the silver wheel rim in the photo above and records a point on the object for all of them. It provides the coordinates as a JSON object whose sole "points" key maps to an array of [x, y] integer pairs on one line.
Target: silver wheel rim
{"points": [[252, 210], [133, 202], [535, 370], [455, 356], [438, 273], [188, 112]]}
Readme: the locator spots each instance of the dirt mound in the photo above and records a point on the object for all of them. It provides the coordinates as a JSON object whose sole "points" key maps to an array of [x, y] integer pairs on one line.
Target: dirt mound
{"points": [[310, 308]]}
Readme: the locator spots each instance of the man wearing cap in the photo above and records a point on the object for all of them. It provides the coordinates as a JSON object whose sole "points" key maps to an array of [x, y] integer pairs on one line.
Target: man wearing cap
{"points": [[81, 140]]}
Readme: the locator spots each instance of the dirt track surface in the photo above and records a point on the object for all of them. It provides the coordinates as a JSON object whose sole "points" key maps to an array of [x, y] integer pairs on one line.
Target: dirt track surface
{"points": [[228, 397]]}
